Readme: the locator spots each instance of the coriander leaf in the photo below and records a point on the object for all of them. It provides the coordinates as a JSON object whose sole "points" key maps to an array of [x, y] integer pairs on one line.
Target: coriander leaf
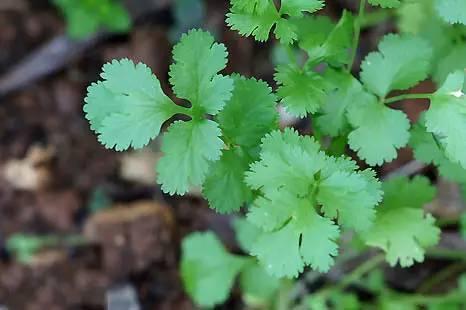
{"points": [[257, 24], [343, 195], [402, 62], [301, 92], [251, 5], [386, 3], [297, 7], [207, 269], [446, 118], [250, 113], [335, 49], [257, 286], [316, 232], [285, 31], [194, 74], [401, 228], [452, 61], [332, 119], [290, 162], [246, 233], [224, 186], [128, 107], [401, 192], [452, 11], [87, 17], [312, 30], [426, 149], [189, 148], [292, 176], [379, 131]]}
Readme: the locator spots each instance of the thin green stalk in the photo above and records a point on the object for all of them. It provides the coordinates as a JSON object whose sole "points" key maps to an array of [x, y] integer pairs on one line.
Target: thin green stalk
{"points": [[418, 299], [441, 276], [355, 275], [407, 96], [357, 33], [447, 254]]}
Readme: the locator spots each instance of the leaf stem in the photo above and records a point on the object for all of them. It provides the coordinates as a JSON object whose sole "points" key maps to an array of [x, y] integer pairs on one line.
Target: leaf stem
{"points": [[355, 275], [407, 96], [357, 34], [447, 254]]}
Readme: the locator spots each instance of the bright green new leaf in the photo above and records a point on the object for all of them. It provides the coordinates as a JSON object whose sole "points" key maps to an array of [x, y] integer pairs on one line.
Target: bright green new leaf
{"points": [[260, 21], [332, 118], [401, 228], [379, 131], [298, 7], [293, 175], [251, 6], [224, 186], [400, 63], [85, 18], [246, 233], [250, 113], [257, 24], [257, 286], [452, 11], [208, 270], [301, 91], [128, 107], [189, 148], [386, 3], [427, 150], [194, 74], [452, 62], [335, 50], [344, 194], [446, 117]]}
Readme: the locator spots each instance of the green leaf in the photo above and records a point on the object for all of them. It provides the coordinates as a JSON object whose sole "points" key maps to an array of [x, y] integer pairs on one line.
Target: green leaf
{"points": [[298, 7], [292, 177], [87, 17], [402, 62], [283, 254], [251, 5], [257, 24], [402, 229], [332, 118], [335, 50], [386, 3], [246, 233], [446, 118], [194, 75], [301, 92], [207, 269], [257, 286], [250, 113], [312, 30], [345, 194], [259, 21], [379, 131], [224, 186], [452, 62], [427, 150], [452, 11], [189, 148], [128, 107]]}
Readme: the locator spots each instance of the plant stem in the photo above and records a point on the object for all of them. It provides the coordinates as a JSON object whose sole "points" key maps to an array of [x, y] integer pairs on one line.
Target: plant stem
{"points": [[441, 276], [357, 34], [407, 96], [425, 300], [355, 275], [447, 254]]}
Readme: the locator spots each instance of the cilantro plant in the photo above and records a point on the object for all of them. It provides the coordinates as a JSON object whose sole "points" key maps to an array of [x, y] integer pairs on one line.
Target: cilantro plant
{"points": [[85, 17], [300, 192]]}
